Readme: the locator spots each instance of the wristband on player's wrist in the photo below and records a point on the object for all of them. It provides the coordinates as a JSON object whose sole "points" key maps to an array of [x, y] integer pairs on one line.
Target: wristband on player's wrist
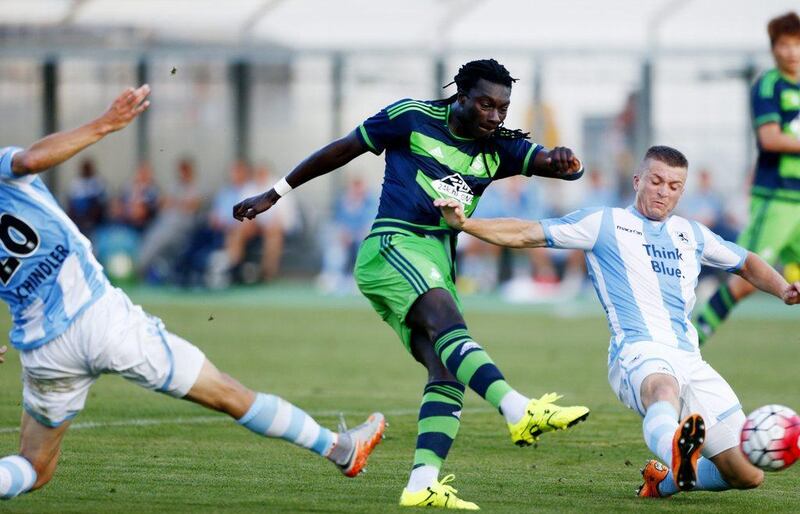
{"points": [[282, 187]]}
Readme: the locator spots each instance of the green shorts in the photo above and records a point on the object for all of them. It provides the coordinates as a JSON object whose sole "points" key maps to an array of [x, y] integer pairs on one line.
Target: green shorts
{"points": [[393, 269], [773, 231]]}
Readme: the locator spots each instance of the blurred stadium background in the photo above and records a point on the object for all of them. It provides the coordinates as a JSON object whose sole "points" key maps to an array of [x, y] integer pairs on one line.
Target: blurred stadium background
{"points": [[269, 81]]}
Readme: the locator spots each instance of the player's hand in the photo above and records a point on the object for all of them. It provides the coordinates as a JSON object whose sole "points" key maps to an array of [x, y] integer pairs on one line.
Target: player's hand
{"points": [[251, 207], [3, 350], [791, 296], [562, 161], [127, 106], [452, 212]]}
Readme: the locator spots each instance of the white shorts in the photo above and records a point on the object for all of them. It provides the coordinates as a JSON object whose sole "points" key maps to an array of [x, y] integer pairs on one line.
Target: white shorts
{"points": [[702, 389], [111, 336]]}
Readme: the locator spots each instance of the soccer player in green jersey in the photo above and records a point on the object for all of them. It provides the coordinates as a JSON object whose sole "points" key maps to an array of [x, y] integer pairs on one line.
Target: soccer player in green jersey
{"points": [[774, 228], [452, 148]]}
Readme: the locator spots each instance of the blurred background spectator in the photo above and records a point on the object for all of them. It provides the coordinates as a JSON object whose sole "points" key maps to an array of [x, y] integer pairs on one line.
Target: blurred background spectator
{"points": [[172, 229], [140, 198], [341, 236], [86, 199], [704, 203]]}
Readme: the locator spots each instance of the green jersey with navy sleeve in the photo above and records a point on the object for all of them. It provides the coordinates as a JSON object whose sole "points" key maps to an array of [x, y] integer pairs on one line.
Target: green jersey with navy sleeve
{"points": [[425, 160], [776, 99]]}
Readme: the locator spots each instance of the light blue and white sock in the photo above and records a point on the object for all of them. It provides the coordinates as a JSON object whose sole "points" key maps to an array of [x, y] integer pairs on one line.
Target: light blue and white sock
{"points": [[708, 479], [659, 427], [16, 476], [272, 416]]}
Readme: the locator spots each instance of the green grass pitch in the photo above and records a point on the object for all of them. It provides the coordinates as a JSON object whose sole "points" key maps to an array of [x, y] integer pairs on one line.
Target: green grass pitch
{"points": [[136, 451]]}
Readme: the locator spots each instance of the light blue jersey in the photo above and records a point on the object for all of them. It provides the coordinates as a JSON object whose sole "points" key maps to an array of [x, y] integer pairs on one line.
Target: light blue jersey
{"points": [[644, 272], [48, 274]]}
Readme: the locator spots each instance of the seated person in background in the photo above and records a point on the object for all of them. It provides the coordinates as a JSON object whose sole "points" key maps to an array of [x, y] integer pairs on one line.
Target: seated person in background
{"points": [[86, 200], [350, 222], [600, 193], [481, 262], [704, 203], [219, 218], [172, 228], [271, 227], [116, 244], [140, 198]]}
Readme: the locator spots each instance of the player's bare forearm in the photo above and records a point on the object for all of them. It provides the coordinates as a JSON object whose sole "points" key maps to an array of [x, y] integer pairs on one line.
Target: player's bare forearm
{"points": [[510, 232], [560, 162], [56, 148], [771, 139], [326, 159], [764, 277]]}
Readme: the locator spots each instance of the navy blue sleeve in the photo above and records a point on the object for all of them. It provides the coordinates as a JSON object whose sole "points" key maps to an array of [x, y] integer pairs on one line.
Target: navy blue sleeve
{"points": [[385, 129], [516, 157], [765, 103]]}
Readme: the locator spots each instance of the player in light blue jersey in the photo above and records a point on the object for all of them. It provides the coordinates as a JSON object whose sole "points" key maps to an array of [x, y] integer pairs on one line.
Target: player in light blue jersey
{"points": [[71, 325], [644, 264]]}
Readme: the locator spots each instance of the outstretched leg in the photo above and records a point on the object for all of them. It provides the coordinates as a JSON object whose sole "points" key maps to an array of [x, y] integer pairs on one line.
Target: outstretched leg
{"points": [[679, 445], [271, 416], [436, 314]]}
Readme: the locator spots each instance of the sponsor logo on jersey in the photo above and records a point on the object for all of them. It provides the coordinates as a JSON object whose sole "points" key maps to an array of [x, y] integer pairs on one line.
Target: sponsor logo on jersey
{"points": [[630, 230], [454, 186], [662, 260]]}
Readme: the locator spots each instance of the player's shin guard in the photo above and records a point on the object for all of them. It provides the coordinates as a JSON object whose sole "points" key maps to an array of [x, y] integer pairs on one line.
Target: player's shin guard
{"points": [[659, 426], [471, 365], [714, 313], [272, 416], [439, 420], [16, 476]]}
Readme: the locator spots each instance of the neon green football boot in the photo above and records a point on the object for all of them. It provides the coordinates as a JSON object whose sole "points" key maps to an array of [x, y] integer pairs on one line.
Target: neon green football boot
{"points": [[438, 495], [542, 416]]}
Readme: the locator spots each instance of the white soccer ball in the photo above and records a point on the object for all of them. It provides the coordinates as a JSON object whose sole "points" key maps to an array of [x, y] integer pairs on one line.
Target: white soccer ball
{"points": [[771, 437]]}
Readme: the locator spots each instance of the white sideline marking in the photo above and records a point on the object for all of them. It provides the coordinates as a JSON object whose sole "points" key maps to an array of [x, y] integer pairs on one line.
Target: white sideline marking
{"points": [[200, 420]]}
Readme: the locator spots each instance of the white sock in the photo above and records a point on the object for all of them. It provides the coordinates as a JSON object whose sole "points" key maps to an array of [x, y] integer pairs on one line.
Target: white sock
{"points": [[422, 477], [16, 476], [512, 405]]}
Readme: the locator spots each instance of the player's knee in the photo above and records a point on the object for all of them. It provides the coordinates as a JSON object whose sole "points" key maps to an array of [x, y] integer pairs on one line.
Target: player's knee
{"points": [[220, 391], [434, 312], [659, 388], [228, 392]]}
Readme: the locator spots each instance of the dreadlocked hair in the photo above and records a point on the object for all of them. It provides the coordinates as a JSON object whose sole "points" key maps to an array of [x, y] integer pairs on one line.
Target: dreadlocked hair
{"points": [[489, 70]]}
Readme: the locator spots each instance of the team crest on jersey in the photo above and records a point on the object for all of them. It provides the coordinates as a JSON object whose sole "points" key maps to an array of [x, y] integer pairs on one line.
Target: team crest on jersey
{"points": [[682, 237], [454, 186]]}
